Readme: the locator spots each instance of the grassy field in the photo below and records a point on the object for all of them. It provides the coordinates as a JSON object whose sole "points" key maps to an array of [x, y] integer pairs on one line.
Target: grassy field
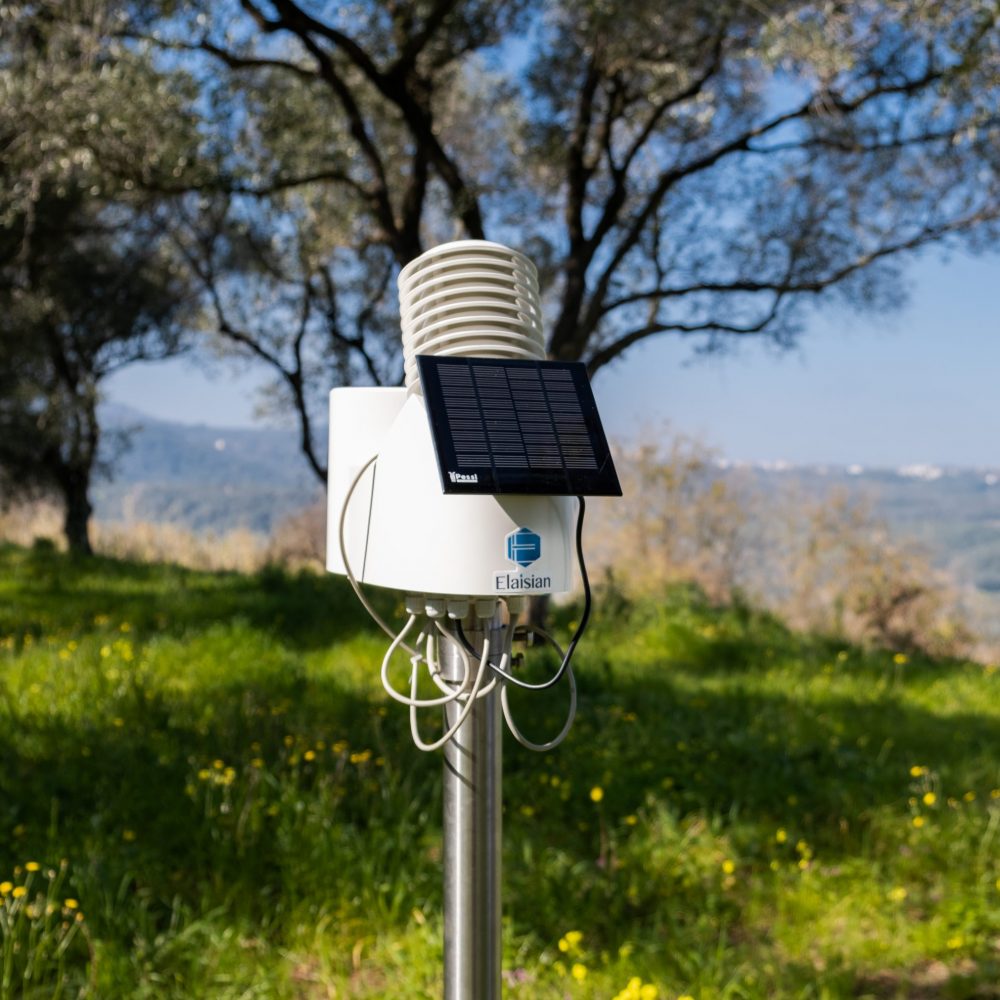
{"points": [[204, 793]]}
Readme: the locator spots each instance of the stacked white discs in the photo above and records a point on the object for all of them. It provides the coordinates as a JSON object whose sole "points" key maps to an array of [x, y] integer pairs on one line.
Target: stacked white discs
{"points": [[467, 299]]}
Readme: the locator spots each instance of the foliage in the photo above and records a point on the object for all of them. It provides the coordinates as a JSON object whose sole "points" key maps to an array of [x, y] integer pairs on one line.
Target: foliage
{"points": [[740, 811], [700, 169], [825, 562], [678, 519], [86, 285]]}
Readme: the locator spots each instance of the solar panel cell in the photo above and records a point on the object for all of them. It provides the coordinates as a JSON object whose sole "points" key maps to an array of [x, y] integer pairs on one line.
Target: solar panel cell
{"points": [[516, 427]]}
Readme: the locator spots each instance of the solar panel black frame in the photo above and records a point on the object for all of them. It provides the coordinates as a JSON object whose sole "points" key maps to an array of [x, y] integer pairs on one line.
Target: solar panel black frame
{"points": [[503, 426]]}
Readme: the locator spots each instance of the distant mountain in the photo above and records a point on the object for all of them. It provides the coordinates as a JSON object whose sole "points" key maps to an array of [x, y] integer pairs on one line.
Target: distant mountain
{"points": [[954, 512], [203, 478], [216, 479]]}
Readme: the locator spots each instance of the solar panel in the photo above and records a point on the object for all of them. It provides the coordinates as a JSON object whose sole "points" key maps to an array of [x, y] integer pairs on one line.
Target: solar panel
{"points": [[516, 427]]}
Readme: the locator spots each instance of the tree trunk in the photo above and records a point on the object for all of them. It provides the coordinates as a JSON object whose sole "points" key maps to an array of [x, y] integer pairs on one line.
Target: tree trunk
{"points": [[78, 510]]}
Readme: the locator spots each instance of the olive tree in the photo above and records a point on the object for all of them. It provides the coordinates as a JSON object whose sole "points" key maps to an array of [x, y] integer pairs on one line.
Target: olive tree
{"points": [[703, 170]]}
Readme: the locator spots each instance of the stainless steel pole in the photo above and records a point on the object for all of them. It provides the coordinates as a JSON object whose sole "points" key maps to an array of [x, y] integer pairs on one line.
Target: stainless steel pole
{"points": [[473, 768]]}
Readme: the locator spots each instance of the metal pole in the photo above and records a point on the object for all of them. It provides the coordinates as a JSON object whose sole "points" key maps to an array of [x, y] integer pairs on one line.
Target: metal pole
{"points": [[473, 768]]}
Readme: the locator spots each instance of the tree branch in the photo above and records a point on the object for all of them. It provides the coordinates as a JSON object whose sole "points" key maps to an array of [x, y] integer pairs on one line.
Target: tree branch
{"points": [[788, 286], [573, 339], [608, 353], [396, 87]]}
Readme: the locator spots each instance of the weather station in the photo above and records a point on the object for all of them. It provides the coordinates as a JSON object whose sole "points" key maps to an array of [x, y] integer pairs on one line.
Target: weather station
{"points": [[464, 489]]}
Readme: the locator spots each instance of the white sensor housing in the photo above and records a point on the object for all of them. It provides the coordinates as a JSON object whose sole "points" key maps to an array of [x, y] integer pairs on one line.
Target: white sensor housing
{"points": [[468, 299]]}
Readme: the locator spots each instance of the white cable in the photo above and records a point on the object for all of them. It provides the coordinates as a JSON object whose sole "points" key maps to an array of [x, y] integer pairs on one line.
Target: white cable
{"points": [[452, 693], [570, 717], [464, 714], [434, 665], [347, 565], [412, 701], [451, 638]]}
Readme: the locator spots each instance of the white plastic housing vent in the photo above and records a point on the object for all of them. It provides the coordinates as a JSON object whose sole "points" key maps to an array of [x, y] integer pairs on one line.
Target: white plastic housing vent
{"points": [[469, 299]]}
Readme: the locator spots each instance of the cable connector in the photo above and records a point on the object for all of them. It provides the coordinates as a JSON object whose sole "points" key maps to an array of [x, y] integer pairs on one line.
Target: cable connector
{"points": [[457, 610], [486, 607], [516, 605], [435, 607]]}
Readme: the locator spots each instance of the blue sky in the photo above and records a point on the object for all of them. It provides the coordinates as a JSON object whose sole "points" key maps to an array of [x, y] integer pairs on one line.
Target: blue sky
{"points": [[922, 385]]}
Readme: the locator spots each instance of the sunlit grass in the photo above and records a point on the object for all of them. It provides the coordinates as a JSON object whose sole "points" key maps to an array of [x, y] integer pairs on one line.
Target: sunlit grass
{"points": [[208, 766]]}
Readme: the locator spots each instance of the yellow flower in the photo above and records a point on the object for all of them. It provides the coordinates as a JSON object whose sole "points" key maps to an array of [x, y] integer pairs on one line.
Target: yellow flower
{"points": [[579, 972], [71, 904], [218, 764], [5, 888], [969, 796], [648, 992], [918, 821], [32, 866], [687, 996], [728, 866], [781, 836], [631, 820], [900, 658], [929, 798], [898, 894], [956, 941], [596, 793], [362, 757], [257, 762], [19, 891], [528, 811], [570, 941], [917, 770], [128, 836], [309, 755]]}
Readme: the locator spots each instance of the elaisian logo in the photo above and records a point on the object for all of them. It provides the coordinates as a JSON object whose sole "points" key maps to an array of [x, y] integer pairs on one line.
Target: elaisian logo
{"points": [[464, 477], [523, 547]]}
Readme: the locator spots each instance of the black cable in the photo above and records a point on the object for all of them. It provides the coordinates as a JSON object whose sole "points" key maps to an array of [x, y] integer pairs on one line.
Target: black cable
{"points": [[584, 618]]}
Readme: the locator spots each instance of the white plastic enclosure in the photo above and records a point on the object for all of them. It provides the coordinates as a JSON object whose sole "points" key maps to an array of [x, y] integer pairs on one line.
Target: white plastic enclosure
{"points": [[402, 531]]}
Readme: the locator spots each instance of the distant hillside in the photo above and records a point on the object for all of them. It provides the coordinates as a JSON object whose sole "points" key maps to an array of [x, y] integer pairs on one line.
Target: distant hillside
{"points": [[203, 478], [215, 479], [953, 512]]}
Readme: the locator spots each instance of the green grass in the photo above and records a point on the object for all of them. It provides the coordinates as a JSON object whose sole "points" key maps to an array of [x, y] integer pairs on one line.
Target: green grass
{"points": [[206, 766]]}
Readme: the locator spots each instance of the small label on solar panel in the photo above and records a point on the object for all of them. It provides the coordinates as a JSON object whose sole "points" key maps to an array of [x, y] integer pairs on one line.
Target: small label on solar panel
{"points": [[516, 427]]}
